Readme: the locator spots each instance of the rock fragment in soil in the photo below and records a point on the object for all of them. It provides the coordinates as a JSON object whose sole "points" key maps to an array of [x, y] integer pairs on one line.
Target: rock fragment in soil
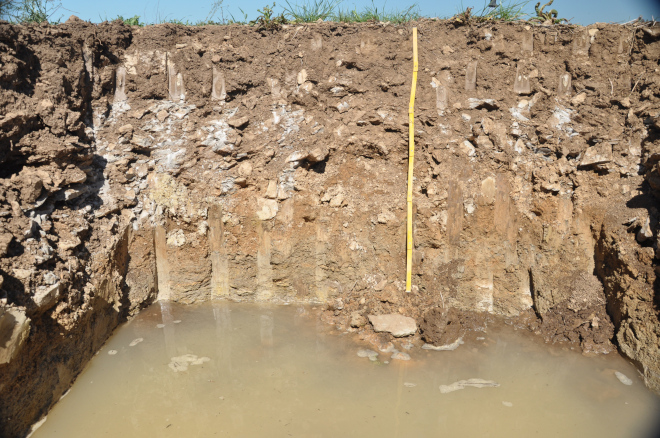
{"points": [[357, 320], [645, 233], [46, 297], [462, 384], [599, 154], [397, 325], [238, 123]]}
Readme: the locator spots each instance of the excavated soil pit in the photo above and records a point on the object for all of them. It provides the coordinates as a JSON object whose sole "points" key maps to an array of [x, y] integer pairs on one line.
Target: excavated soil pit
{"points": [[202, 164], [235, 369]]}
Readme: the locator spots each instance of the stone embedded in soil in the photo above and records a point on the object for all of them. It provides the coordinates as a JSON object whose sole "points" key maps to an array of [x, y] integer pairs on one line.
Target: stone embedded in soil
{"points": [[176, 238], [50, 278], [317, 155], [484, 142], [245, 169], [579, 99], [645, 233], [357, 320], [599, 154], [397, 325], [488, 104], [467, 148], [297, 156], [623, 378], [46, 296], [267, 209], [238, 123], [462, 384], [271, 190]]}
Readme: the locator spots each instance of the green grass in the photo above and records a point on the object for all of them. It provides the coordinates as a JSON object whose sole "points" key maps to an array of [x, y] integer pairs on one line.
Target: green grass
{"points": [[267, 19], [309, 11], [32, 11], [373, 13], [133, 21]]}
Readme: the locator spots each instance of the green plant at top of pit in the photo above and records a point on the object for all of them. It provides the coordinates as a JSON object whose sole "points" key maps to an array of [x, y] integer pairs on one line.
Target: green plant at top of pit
{"points": [[503, 12], [373, 13], [550, 16], [33, 11], [267, 20], [132, 21], [309, 11]]}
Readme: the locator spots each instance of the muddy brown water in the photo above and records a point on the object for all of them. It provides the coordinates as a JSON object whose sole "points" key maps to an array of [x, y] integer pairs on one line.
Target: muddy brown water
{"points": [[235, 369]]}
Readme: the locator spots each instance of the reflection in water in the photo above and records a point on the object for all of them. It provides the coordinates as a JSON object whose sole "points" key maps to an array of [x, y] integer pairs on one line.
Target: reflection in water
{"points": [[267, 325], [259, 370], [222, 317], [168, 329]]}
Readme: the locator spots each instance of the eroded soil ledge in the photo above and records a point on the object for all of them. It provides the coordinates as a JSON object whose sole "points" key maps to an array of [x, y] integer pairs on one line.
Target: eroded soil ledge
{"points": [[192, 164]]}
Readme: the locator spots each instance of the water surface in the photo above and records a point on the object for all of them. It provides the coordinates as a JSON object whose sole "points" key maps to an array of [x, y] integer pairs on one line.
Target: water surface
{"points": [[249, 370]]}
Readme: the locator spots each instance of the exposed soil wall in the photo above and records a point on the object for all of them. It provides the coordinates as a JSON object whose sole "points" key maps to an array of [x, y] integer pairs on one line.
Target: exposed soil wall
{"points": [[192, 164]]}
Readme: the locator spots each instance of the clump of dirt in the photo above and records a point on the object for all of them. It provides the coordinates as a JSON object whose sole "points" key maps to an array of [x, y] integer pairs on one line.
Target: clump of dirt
{"points": [[446, 326], [571, 307]]}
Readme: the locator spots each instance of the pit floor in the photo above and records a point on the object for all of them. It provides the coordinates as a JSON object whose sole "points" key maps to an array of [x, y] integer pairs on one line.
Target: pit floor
{"points": [[250, 370]]}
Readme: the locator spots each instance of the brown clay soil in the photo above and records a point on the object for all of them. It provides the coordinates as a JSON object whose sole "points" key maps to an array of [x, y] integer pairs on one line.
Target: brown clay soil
{"points": [[229, 162]]}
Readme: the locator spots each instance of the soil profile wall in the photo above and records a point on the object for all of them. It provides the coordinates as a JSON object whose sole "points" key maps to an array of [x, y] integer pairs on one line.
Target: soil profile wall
{"points": [[227, 162]]}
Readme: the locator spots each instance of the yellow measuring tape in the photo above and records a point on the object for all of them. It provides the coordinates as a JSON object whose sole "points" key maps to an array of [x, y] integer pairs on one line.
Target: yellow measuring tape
{"points": [[411, 161]]}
